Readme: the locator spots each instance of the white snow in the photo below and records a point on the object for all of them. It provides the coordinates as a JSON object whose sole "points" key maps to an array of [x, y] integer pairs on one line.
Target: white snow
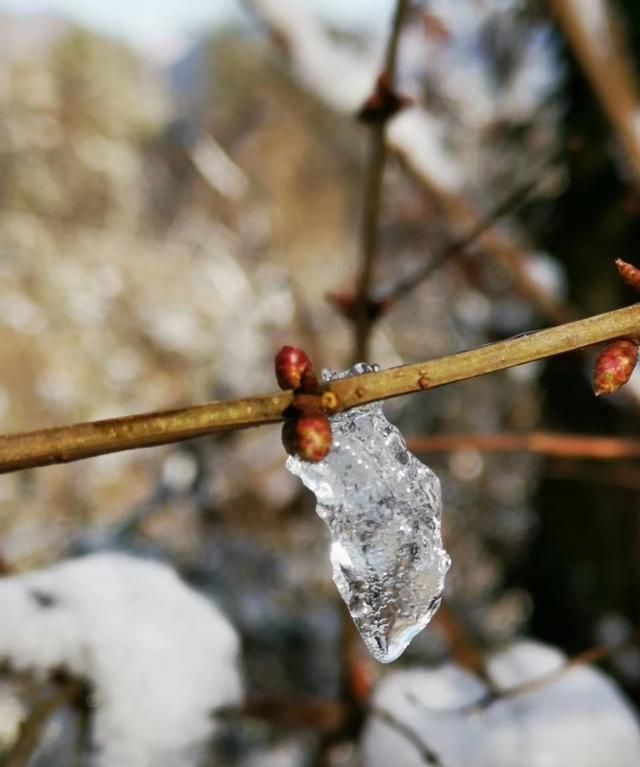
{"points": [[344, 78], [579, 719], [418, 137], [160, 657], [339, 75]]}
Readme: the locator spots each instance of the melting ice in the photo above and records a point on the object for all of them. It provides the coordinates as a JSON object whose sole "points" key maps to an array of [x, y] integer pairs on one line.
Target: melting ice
{"points": [[382, 507]]}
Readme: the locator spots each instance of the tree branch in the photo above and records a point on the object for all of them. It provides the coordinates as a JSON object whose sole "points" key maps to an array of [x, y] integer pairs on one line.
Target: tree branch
{"points": [[599, 50], [372, 198], [542, 443], [427, 756], [84, 440], [33, 727]]}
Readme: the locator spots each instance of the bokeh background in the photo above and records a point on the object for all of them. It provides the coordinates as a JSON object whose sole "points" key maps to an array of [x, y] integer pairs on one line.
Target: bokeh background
{"points": [[180, 194]]}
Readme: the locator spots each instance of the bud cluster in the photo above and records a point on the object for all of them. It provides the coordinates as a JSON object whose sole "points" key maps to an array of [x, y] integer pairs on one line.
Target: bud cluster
{"points": [[307, 430]]}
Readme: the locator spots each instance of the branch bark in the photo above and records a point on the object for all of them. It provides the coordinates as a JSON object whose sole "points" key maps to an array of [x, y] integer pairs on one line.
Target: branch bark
{"points": [[33, 727], [372, 199], [603, 59], [542, 443], [73, 443]]}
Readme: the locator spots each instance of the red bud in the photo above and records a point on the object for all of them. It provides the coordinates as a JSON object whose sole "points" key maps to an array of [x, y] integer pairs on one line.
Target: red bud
{"points": [[614, 366], [384, 102], [629, 273], [308, 437], [293, 367]]}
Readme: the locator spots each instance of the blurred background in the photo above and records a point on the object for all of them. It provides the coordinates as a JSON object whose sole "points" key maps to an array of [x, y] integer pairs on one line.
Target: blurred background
{"points": [[181, 188]]}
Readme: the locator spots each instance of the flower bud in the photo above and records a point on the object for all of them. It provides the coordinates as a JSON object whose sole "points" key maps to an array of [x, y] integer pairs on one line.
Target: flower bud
{"points": [[629, 273], [384, 102], [308, 437], [293, 366], [614, 366]]}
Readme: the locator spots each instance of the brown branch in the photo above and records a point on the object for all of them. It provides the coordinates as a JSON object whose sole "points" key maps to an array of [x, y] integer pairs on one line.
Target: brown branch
{"points": [[323, 716], [496, 694], [369, 239], [478, 227], [426, 754], [72, 443], [33, 727], [607, 68], [502, 248], [585, 658], [464, 650], [543, 443], [372, 198]]}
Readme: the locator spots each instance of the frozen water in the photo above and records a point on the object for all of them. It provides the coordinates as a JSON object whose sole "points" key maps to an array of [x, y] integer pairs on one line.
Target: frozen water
{"points": [[383, 507]]}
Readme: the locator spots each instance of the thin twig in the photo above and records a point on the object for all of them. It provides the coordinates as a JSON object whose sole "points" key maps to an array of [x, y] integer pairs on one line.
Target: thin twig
{"points": [[501, 247], [426, 754], [369, 239], [463, 649], [73, 443], [32, 729], [496, 694], [372, 197], [477, 229], [540, 442], [324, 716]]}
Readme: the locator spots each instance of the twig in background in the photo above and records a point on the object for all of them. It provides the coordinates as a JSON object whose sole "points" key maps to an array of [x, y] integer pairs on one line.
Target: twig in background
{"points": [[426, 754], [317, 57], [599, 50], [585, 658], [463, 216], [478, 228], [33, 727], [543, 443], [372, 198]]}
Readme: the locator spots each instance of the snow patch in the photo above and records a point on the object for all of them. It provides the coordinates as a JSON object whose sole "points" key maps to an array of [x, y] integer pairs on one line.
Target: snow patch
{"points": [[160, 657], [581, 718]]}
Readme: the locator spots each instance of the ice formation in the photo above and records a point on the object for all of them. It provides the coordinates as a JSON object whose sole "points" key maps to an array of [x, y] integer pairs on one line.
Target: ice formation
{"points": [[161, 658], [580, 718], [382, 507]]}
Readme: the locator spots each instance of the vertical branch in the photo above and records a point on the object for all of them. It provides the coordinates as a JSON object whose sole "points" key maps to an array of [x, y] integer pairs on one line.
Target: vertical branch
{"points": [[598, 47], [369, 240], [33, 728], [363, 321], [372, 198]]}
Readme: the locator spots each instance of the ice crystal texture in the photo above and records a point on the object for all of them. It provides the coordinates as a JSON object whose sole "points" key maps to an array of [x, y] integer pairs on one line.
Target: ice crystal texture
{"points": [[382, 507]]}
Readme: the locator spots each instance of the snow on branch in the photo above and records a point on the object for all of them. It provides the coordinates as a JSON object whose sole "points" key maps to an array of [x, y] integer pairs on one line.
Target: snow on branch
{"points": [[160, 658]]}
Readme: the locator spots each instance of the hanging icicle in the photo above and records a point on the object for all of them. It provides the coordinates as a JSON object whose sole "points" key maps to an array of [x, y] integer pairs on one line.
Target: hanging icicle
{"points": [[382, 507]]}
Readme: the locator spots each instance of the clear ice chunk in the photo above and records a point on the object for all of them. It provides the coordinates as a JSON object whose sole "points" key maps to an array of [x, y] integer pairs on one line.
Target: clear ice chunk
{"points": [[383, 508]]}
